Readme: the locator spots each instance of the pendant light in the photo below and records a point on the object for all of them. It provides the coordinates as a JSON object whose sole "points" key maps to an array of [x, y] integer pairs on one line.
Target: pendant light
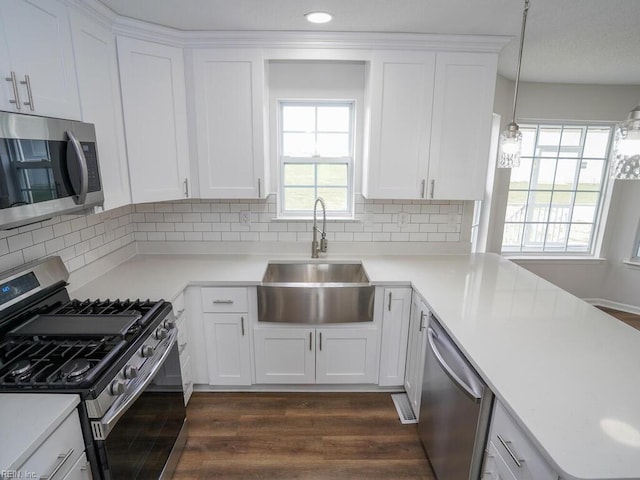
{"points": [[511, 138], [626, 161]]}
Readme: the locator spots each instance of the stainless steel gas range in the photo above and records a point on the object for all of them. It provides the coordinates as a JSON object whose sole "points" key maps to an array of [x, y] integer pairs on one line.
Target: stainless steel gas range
{"points": [[120, 356]]}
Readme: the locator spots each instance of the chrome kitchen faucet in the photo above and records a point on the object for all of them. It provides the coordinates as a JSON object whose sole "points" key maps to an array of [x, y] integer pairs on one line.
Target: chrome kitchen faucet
{"points": [[315, 249]]}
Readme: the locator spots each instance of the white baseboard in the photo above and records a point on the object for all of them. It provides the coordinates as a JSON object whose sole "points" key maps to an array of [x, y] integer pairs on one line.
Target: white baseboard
{"points": [[623, 307]]}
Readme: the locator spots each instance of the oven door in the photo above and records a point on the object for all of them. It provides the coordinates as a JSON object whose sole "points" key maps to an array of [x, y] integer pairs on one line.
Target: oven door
{"points": [[142, 437]]}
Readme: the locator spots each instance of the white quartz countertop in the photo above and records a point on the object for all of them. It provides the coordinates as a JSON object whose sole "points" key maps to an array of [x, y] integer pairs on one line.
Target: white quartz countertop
{"points": [[569, 373], [26, 420]]}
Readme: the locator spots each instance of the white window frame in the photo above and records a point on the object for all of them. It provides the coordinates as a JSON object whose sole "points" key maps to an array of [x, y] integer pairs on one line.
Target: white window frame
{"points": [[317, 160], [604, 200], [635, 255]]}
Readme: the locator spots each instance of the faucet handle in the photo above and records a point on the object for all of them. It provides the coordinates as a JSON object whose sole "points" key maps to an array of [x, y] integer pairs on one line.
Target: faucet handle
{"points": [[323, 243]]}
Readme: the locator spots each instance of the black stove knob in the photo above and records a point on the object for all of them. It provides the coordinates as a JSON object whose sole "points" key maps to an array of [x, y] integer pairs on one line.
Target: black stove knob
{"points": [[116, 388], [146, 351], [130, 372], [160, 333]]}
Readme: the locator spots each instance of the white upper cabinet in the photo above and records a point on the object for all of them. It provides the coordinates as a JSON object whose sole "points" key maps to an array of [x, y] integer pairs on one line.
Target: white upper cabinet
{"points": [[95, 53], [429, 124], [461, 125], [400, 95], [154, 104], [229, 89], [36, 55]]}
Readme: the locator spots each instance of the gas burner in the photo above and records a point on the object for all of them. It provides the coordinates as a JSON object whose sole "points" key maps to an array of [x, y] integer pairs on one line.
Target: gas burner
{"points": [[20, 369], [74, 369]]}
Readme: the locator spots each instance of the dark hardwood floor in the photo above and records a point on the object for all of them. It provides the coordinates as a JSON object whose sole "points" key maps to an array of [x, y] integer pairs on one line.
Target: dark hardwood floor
{"points": [[299, 436], [628, 318]]}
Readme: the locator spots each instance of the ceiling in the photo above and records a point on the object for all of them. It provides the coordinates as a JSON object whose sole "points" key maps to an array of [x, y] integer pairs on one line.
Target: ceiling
{"points": [[567, 41]]}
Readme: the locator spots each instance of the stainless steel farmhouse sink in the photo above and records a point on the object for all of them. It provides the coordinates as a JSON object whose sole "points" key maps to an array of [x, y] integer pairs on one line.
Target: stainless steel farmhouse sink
{"points": [[315, 293]]}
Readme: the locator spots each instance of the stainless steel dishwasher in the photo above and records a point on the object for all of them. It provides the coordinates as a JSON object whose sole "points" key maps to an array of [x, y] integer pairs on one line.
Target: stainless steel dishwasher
{"points": [[454, 411]]}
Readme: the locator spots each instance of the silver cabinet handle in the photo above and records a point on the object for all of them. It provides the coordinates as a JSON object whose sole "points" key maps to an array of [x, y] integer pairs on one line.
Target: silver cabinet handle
{"points": [[320, 344], [63, 457], [81, 160], [433, 188], [259, 188], [242, 325], [422, 315], [390, 294], [181, 347], [422, 188], [186, 187], [27, 82], [101, 428], [448, 370], [310, 340], [187, 385], [14, 84], [224, 302], [507, 446], [179, 312]]}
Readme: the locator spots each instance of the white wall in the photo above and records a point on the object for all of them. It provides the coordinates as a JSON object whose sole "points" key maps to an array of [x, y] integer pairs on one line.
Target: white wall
{"points": [[608, 279]]}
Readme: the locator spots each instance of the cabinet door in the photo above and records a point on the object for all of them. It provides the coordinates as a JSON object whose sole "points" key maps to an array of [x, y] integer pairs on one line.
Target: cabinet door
{"points": [[153, 99], [230, 127], [395, 330], [461, 125], [285, 355], [228, 348], [96, 62], [81, 470], [400, 98], [346, 355], [36, 41], [417, 347]]}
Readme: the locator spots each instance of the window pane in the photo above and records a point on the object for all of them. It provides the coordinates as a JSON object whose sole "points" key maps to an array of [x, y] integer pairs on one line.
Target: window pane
{"points": [[591, 174], [580, 237], [334, 119], [566, 174], [333, 174], [512, 236], [333, 145], [298, 118], [335, 198], [546, 173], [560, 210], [596, 143], [516, 206], [298, 145], [533, 237], [571, 137], [299, 174], [548, 141], [586, 207], [556, 236], [521, 175], [539, 203], [298, 198]]}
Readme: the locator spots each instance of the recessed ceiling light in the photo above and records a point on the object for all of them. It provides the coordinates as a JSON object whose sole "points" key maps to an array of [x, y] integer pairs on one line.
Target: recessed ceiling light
{"points": [[318, 17]]}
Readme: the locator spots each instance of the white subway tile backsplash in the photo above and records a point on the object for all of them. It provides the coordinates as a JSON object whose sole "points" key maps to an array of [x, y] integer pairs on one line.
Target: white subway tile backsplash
{"points": [[80, 240]]}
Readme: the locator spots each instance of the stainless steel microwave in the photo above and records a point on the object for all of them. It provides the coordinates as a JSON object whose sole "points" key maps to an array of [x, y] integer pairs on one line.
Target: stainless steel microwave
{"points": [[48, 167]]}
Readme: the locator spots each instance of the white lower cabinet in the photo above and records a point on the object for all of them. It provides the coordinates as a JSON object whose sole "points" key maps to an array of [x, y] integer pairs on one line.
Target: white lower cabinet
{"points": [[59, 454], [395, 330], [511, 454], [301, 355], [416, 349], [182, 324], [228, 348]]}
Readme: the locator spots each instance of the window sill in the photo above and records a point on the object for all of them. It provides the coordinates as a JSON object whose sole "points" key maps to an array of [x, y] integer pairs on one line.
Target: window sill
{"points": [[318, 219], [632, 263], [566, 259]]}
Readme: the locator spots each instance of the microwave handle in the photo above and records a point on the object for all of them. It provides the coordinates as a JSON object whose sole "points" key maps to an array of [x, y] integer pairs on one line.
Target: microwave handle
{"points": [[76, 154]]}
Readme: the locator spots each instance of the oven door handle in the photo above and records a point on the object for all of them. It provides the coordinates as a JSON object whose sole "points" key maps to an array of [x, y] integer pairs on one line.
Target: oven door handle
{"points": [[101, 428]]}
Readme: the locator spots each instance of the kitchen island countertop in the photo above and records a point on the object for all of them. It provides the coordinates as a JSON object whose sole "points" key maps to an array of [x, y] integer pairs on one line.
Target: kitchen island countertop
{"points": [[566, 371]]}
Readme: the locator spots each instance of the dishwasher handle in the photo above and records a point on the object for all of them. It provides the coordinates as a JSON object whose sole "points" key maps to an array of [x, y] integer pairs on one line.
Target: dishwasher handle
{"points": [[469, 390]]}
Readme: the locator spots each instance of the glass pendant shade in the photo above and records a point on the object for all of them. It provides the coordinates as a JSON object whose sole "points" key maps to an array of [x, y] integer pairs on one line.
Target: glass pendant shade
{"points": [[510, 147], [626, 161]]}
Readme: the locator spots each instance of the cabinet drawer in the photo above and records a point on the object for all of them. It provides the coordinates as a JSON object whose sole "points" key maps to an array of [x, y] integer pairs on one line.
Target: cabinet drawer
{"points": [[515, 447], [495, 468], [187, 378], [59, 452], [224, 300], [183, 342]]}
